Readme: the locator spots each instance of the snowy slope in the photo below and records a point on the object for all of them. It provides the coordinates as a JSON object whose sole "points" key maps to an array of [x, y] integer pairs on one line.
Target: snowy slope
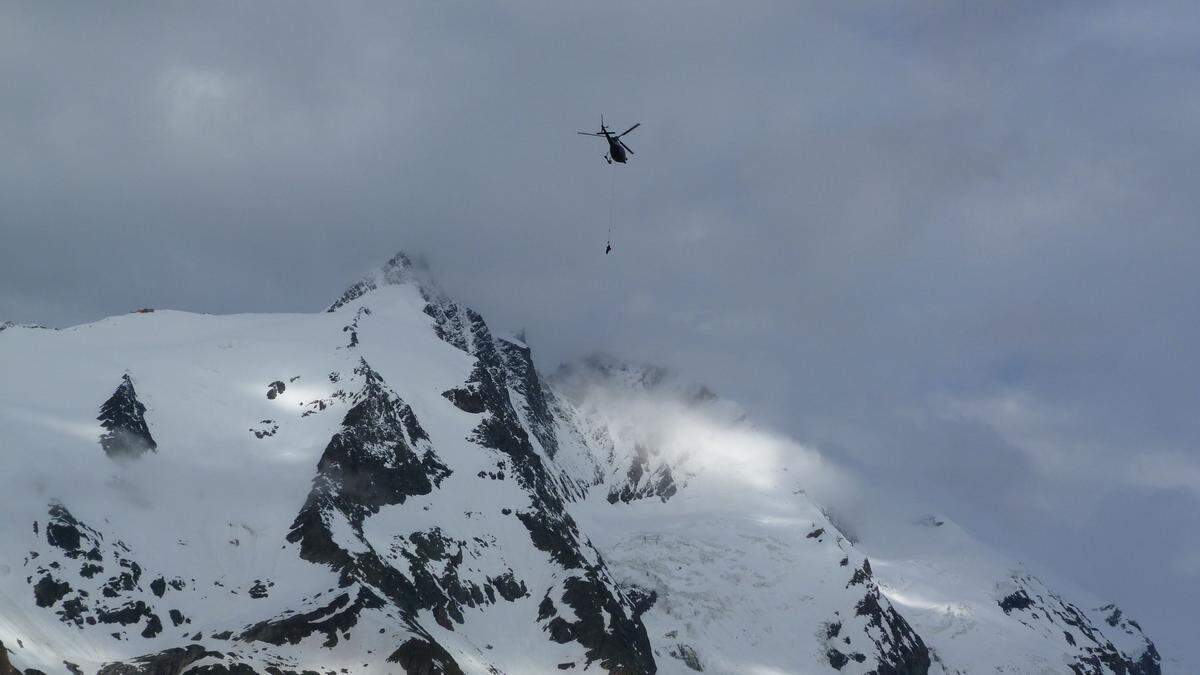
{"points": [[388, 487]]}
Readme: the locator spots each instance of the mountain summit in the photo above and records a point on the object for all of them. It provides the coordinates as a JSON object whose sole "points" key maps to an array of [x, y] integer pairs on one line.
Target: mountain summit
{"points": [[390, 487]]}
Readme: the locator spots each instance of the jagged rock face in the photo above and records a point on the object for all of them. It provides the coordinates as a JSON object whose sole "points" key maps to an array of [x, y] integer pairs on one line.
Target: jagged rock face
{"points": [[1130, 640], [372, 461], [381, 456], [619, 644], [422, 657], [418, 498], [522, 377], [1093, 653], [123, 418], [898, 650], [171, 661], [86, 580], [644, 481]]}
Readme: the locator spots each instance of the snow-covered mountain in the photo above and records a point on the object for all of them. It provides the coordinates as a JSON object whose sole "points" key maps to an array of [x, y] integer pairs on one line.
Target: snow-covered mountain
{"points": [[389, 487]]}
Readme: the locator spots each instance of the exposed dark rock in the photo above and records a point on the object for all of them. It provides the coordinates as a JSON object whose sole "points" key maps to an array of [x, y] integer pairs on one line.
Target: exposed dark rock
{"points": [[124, 581], [67, 533], [123, 418], [352, 327], [126, 614], [275, 389], [546, 608], [6, 668], [509, 588], [268, 428], [73, 611], [898, 648], [89, 569], [153, 626], [448, 593], [621, 647], [231, 669], [1096, 653], [862, 575], [688, 655], [418, 656], [640, 599], [466, 399], [1148, 663], [339, 616], [369, 463], [561, 631], [171, 661], [398, 270], [49, 591], [64, 534], [1017, 600], [641, 483], [522, 378]]}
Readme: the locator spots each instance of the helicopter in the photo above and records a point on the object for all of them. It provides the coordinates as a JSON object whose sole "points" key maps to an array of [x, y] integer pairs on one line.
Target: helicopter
{"points": [[616, 147]]}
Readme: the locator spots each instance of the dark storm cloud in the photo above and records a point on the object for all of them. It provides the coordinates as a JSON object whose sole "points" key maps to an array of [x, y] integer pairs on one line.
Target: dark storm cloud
{"points": [[953, 245]]}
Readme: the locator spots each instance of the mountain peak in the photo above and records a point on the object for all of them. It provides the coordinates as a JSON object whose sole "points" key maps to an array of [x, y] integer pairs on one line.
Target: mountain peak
{"points": [[399, 270]]}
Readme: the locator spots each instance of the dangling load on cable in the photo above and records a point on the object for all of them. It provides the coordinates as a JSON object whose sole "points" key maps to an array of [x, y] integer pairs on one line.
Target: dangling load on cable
{"points": [[616, 153]]}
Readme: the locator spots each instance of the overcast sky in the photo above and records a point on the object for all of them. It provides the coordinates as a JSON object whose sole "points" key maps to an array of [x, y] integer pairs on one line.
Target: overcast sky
{"points": [[953, 245]]}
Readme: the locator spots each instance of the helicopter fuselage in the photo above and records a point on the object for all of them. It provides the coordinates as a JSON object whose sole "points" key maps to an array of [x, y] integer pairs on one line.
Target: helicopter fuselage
{"points": [[616, 153]]}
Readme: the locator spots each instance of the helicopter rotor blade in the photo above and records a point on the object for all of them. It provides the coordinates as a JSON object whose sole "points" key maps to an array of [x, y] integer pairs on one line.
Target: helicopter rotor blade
{"points": [[629, 129], [626, 147], [587, 133]]}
